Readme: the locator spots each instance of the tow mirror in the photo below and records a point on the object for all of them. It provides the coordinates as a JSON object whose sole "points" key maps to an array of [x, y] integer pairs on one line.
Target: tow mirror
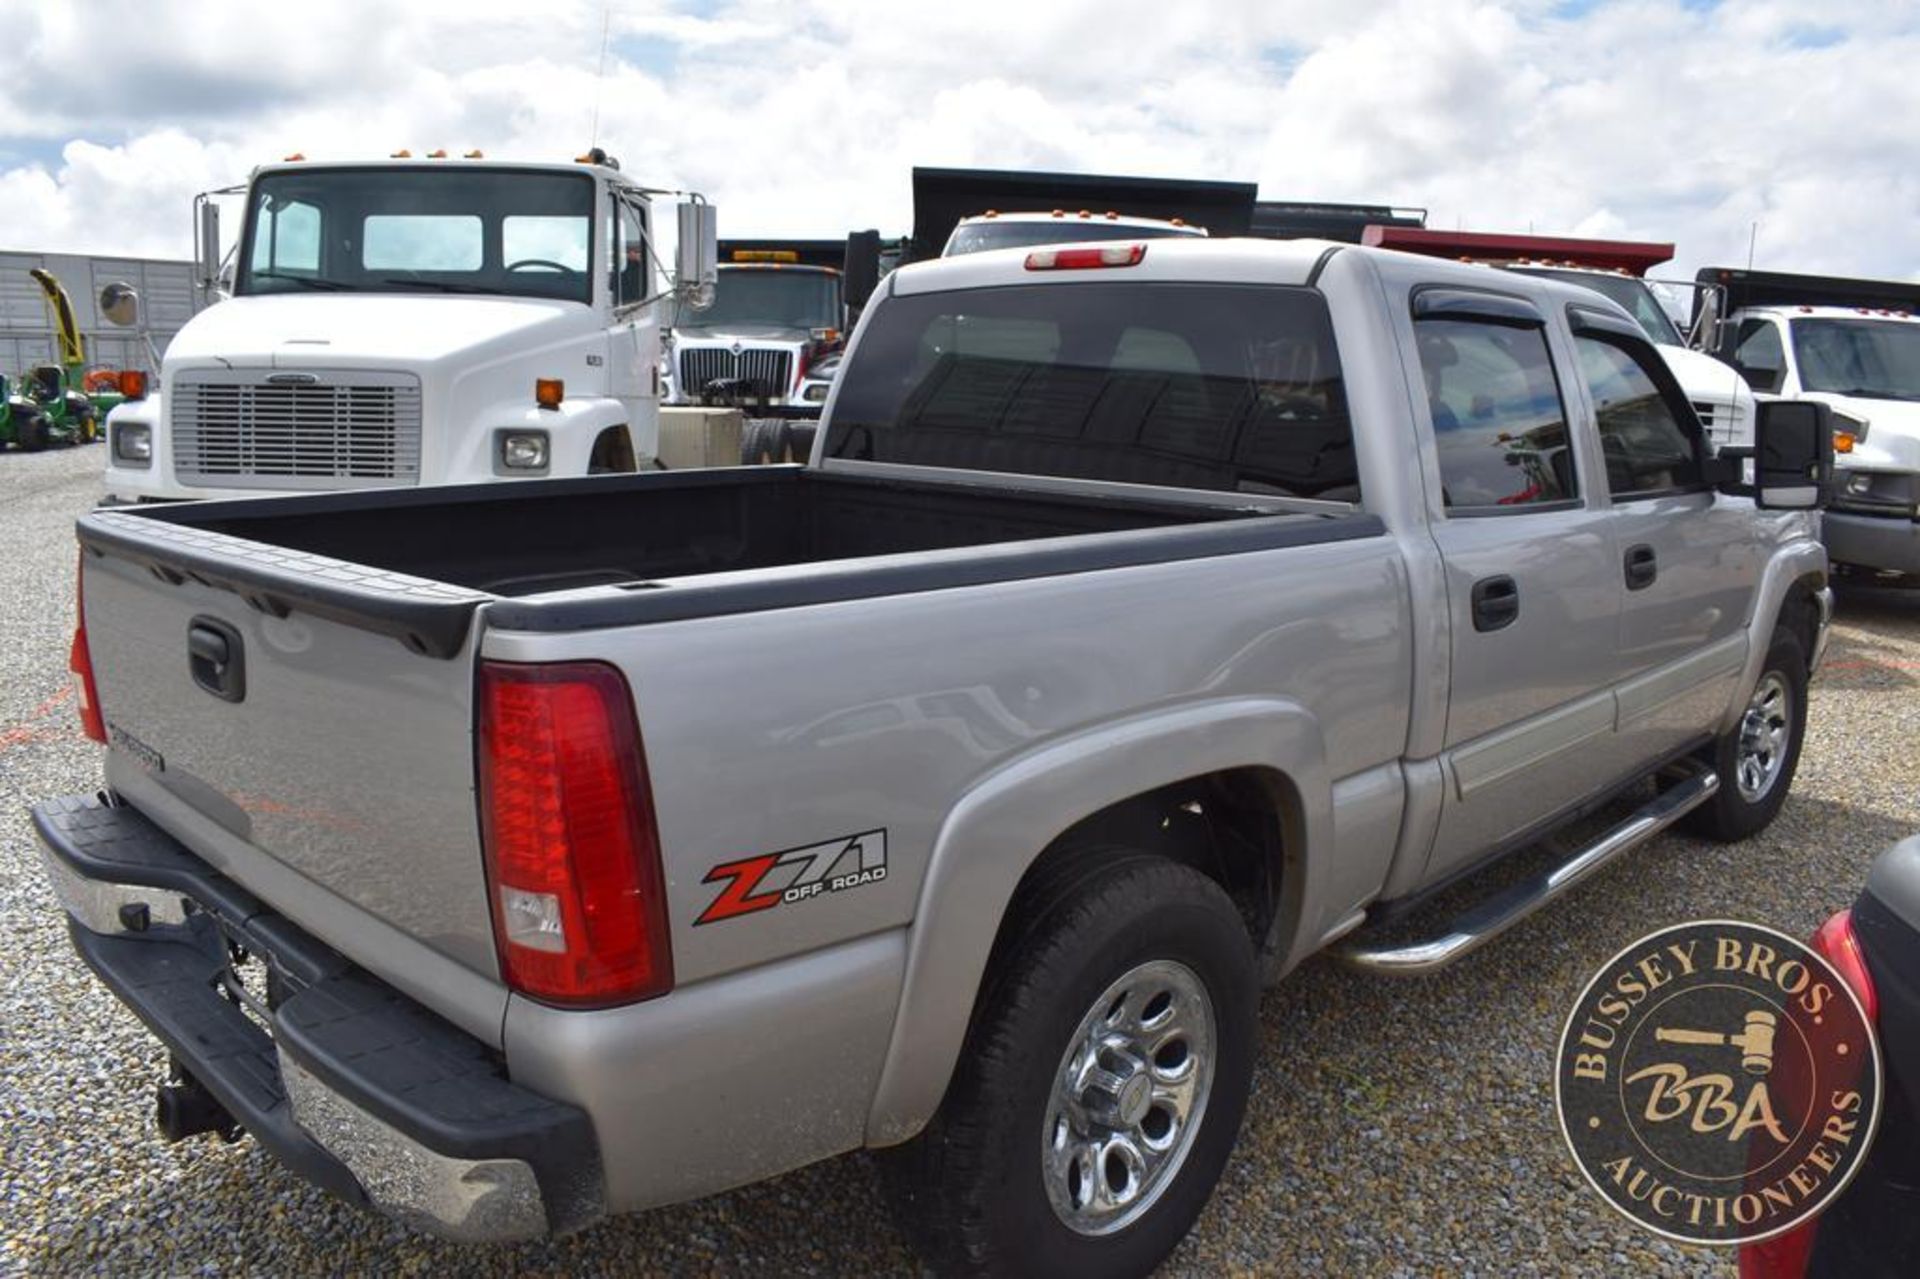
{"points": [[861, 273], [696, 258], [207, 243], [120, 304], [1792, 455]]}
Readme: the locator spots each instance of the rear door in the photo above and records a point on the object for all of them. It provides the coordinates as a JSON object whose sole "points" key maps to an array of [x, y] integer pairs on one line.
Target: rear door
{"points": [[1533, 587], [1689, 559]]}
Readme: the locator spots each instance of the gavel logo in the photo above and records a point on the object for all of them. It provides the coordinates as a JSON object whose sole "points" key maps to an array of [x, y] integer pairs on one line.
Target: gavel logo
{"points": [[1755, 1042]]}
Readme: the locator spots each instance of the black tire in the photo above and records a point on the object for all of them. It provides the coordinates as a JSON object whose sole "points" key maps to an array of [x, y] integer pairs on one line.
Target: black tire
{"points": [[1738, 810], [763, 440], [30, 431], [970, 1189]]}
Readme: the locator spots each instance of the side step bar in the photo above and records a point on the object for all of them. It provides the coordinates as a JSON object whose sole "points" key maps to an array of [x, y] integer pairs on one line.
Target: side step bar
{"points": [[1486, 920]]}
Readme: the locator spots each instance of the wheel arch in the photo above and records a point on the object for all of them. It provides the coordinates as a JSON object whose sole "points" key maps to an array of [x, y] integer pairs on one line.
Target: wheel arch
{"points": [[1262, 758], [1787, 593]]}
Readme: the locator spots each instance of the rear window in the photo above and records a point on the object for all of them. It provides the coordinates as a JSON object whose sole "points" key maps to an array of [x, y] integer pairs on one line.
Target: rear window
{"points": [[1230, 387]]}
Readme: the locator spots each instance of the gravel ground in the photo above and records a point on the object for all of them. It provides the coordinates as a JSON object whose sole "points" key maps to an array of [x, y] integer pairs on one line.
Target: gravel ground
{"points": [[1395, 1127]]}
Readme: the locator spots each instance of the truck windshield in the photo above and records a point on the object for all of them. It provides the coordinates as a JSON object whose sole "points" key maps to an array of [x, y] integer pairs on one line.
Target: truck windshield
{"points": [[1631, 293], [1216, 386], [1873, 359], [524, 233], [780, 296], [982, 236]]}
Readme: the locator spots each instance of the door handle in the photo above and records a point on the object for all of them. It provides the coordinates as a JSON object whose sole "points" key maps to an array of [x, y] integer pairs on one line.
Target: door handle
{"points": [[1496, 603], [1642, 567], [216, 658]]}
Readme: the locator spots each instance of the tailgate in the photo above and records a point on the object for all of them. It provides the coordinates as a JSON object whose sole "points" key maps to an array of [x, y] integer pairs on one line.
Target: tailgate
{"points": [[335, 740]]}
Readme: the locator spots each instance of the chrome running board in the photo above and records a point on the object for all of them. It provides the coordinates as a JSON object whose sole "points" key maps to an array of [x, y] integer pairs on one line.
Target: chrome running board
{"points": [[1487, 919]]}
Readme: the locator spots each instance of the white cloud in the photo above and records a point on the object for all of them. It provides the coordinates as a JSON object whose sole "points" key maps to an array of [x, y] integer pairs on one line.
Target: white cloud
{"points": [[1651, 119]]}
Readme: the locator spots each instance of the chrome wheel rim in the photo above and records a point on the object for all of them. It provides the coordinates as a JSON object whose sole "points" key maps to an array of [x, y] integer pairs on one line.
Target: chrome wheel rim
{"points": [[1765, 731], [1128, 1098]]}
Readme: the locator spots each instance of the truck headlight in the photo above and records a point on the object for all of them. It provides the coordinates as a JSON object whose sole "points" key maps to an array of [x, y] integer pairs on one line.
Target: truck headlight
{"points": [[815, 393], [133, 442], [523, 450]]}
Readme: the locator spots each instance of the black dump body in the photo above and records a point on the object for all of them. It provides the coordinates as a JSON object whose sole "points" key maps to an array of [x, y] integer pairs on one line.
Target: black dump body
{"points": [[1781, 288], [941, 197], [1295, 220]]}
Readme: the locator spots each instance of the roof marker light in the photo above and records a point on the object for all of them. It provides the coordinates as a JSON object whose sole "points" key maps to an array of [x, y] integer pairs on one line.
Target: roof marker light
{"points": [[1084, 259]]}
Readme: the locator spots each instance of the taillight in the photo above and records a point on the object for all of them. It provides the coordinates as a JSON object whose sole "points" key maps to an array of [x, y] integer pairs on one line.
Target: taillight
{"points": [[573, 857], [1083, 259], [1839, 945], [80, 661], [1785, 1256]]}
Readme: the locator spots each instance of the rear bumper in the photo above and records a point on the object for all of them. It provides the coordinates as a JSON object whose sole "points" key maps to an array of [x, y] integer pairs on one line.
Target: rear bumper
{"points": [[1872, 541], [348, 1082]]}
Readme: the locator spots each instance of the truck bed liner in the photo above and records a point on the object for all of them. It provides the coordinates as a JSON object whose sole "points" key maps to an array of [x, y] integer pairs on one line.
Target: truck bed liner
{"points": [[417, 564]]}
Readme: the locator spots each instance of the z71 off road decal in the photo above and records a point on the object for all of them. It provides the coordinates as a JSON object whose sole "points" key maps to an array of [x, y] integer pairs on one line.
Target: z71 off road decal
{"points": [[772, 879]]}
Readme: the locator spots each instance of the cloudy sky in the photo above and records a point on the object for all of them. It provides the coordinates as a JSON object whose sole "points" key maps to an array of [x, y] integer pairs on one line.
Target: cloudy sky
{"points": [[1681, 120]]}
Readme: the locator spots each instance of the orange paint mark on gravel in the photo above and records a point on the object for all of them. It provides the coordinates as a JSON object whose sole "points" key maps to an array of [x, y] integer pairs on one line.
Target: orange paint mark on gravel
{"points": [[27, 731]]}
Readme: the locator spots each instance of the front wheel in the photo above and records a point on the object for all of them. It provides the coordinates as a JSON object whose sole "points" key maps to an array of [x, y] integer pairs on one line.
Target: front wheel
{"points": [[1756, 759], [1101, 1086]]}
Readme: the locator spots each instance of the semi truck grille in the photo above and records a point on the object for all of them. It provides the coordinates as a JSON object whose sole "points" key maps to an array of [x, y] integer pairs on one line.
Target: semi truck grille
{"points": [[341, 429], [700, 365]]}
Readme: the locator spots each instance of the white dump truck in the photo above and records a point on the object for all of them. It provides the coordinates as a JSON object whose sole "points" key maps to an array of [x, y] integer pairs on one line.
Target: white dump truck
{"points": [[415, 321]]}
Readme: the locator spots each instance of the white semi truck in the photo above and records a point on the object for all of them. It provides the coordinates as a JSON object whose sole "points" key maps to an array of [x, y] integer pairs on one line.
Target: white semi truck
{"points": [[410, 321]]}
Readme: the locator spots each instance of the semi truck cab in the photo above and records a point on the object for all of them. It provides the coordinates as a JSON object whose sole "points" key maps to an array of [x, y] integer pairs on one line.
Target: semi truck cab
{"points": [[408, 322]]}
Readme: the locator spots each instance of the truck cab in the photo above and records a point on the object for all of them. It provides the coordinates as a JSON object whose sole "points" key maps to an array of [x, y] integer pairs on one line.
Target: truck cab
{"points": [[410, 322], [995, 230], [774, 320], [1853, 345]]}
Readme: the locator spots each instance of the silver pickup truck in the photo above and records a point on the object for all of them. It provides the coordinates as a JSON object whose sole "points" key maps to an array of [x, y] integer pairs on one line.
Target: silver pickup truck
{"points": [[1150, 617]]}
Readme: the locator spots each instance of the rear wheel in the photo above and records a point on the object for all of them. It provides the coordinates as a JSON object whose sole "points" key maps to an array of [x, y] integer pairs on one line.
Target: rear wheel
{"points": [[1756, 759], [1101, 1086]]}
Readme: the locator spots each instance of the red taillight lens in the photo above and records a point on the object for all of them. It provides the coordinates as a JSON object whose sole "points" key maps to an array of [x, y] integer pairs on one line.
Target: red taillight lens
{"points": [[573, 858], [1084, 259], [1839, 945], [1785, 1256], [80, 661]]}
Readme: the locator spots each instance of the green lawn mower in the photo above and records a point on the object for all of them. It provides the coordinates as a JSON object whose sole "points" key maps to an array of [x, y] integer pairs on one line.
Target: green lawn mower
{"points": [[22, 424]]}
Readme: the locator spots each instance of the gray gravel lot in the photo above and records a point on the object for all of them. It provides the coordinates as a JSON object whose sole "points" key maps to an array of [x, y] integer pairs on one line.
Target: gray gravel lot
{"points": [[1395, 1128]]}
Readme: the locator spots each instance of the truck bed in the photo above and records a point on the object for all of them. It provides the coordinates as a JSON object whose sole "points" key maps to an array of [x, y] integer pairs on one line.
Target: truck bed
{"points": [[417, 563]]}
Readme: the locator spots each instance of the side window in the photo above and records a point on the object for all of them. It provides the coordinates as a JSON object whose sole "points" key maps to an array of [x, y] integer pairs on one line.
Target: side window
{"points": [[1759, 355], [1497, 415], [286, 239], [630, 273], [1649, 445]]}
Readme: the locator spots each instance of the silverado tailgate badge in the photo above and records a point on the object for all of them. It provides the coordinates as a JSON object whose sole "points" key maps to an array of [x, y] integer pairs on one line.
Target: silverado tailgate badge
{"points": [[770, 879]]}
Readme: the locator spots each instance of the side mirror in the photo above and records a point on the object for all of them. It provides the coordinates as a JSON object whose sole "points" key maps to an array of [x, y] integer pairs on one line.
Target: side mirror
{"points": [[696, 258], [207, 243], [120, 304], [860, 273], [1793, 455]]}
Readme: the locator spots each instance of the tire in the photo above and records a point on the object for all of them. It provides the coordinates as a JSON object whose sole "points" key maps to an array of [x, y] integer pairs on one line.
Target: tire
{"points": [[86, 429], [30, 432], [1755, 777], [976, 1190], [763, 440]]}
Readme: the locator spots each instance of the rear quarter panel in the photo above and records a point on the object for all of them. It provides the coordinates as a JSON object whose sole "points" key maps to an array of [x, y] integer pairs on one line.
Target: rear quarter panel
{"points": [[775, 731]]}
